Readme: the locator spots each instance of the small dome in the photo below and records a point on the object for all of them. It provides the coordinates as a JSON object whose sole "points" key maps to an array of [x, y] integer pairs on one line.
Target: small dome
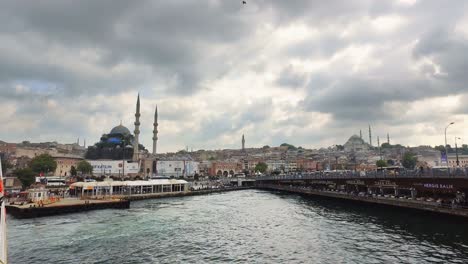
{"points": [[120, 130]]}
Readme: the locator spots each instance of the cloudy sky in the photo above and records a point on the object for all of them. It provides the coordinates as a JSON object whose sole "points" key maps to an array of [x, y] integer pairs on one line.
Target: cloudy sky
{"points": [[307, 72]]}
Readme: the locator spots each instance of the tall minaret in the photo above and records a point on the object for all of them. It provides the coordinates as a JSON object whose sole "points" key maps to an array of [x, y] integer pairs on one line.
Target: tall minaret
{"points": [[388, 138], [155, 130], [360, 134], [243, 142], [137, 130], [370, 136]]}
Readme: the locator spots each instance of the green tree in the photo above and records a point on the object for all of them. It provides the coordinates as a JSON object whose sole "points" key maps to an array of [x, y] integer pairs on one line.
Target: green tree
{"points": [[73, 171], [290, 147], [381, 163], [261, 167], [84, 167], [43, 163], [26, 176], [439, 148], [409, 160], [386, 145]]}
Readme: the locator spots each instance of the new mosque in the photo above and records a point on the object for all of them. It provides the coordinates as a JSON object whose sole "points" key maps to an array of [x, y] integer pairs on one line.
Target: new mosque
{"points": [[119, 153]]}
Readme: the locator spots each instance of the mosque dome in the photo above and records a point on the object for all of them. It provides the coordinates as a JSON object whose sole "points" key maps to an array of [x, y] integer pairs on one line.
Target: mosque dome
{"points": [[356, 139], [355, 142], [120, 130]]}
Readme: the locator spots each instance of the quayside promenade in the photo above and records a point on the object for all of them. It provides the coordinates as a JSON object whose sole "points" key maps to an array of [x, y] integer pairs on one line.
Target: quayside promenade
{"points": [[436, 191]]}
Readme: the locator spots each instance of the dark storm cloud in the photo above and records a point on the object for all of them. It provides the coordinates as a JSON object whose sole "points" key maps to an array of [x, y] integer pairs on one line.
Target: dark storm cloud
{"points": [[172, 38], [450, 53]]}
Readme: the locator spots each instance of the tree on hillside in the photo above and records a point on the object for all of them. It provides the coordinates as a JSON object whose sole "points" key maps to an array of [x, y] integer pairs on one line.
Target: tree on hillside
{"points": [[386, 145], [381, 163], [409, 160], [26, 176], [439, 148], [84, 167], [340, 147], [290, 147], [261, 167], [43, 163], [73, 171]]}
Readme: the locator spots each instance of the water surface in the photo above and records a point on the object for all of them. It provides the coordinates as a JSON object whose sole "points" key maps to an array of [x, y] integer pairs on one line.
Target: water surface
{"points": [[238, 227]]}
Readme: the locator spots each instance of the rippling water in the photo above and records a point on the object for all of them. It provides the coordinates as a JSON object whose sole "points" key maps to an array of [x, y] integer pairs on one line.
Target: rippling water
{"points": [[242, 226]]}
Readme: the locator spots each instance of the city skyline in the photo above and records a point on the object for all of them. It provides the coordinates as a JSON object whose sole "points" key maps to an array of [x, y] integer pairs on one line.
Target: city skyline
{"points": [[304, 72]]}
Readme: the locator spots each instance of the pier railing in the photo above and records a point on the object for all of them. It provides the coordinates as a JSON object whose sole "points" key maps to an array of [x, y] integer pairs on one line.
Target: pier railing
{"points": [[428, 173], [421, 201]]}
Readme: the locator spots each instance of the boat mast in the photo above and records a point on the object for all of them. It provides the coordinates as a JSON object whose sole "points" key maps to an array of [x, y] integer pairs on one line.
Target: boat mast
{"points": [[3, 248]]}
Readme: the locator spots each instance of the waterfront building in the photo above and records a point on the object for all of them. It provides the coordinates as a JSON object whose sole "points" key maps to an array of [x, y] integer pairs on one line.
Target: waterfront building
{"points": [[276, 165], [64, 164], [462, 159], [225, 168], [120, 189], [306, 165], [115, 168], [177, 168], [12, 185]]}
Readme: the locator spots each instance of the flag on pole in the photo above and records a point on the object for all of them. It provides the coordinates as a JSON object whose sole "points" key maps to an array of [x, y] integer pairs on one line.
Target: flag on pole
{"points": [[3, 241]]}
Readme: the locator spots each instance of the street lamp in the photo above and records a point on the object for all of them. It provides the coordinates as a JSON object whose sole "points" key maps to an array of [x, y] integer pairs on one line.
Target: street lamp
{"points": [[123, 157], [456, 150], [446, 154]]}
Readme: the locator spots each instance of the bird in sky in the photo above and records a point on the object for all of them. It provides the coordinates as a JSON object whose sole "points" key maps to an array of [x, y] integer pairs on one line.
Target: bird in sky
{"points": [[244, 2]]}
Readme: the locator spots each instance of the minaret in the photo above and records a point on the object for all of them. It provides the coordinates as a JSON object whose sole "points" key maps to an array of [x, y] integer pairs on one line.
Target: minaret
{"points": [[155, 130], [370, 136], [360, 133], [137, 130], [84, 144], [388, 138], [243, 142]]}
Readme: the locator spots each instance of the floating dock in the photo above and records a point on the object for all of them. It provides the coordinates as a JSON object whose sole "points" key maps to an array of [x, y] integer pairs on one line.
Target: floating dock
{"points": [[64, 206]]}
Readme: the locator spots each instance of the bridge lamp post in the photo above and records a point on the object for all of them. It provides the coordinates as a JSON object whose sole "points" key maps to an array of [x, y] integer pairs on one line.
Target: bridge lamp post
{"points": [[456, 151], [445, 146]]}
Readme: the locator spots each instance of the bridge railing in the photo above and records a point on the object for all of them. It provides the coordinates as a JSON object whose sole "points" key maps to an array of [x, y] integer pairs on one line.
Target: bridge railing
{"points": [[428, 173]]}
